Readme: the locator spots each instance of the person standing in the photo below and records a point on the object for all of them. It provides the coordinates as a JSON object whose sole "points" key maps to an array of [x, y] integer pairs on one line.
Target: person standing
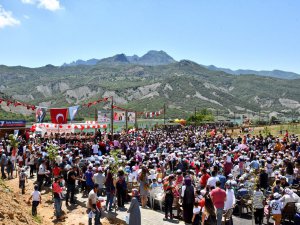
{"points": [[110, 190], [36, 199], [134, 209], [3, 162], [218, 197], [57, 191], [92, 205], [22, 180], [258, 198], [169, 196], [41, 174], [144, 186], [121, 188], [188, 199], [71, 181], [99, 179]]}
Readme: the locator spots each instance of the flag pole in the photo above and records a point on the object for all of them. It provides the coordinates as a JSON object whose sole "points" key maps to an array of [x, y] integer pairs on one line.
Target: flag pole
{"points": [[112, 119], [164, 113], [96, 118], [126, 121]]}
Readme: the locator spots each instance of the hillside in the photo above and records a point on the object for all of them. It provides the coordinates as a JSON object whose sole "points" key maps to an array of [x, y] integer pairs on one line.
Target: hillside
{"points": [[181, 85], [274, 73]]}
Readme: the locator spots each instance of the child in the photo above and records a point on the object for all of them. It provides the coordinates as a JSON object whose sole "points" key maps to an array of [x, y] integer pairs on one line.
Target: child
{"points": [[276, 207], [22, 180], [36, 199], [56, 188], [196, 212]]}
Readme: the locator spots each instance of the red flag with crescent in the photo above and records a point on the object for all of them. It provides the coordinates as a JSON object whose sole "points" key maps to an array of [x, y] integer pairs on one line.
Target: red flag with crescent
{"points": [[59, 116]]}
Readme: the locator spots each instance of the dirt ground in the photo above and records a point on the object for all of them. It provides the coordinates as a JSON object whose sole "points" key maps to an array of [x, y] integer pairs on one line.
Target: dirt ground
{"points": [[16, 202]]}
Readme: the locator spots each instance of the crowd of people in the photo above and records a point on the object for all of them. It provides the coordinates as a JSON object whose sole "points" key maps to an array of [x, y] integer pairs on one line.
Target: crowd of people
{"points": [[204, 171]]}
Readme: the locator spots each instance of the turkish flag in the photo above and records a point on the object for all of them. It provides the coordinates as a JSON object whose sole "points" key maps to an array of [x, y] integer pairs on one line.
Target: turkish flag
{"points": [[59, 116]]}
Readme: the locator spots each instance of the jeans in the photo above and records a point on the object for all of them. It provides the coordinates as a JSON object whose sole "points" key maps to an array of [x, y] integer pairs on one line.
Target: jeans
{"points": [[97, 217], [70, 190], [219, 216], [34, 207], [109, 199], [57, 206]]}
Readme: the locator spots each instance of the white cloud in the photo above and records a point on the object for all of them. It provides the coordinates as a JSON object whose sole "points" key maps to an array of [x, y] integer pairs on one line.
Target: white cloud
{"points": [[7, 19], [26, 17], [51, 5], [28, 1]]}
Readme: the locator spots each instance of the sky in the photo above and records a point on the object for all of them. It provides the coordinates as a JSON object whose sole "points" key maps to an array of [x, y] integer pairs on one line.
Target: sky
{"points": [[249, 34]]}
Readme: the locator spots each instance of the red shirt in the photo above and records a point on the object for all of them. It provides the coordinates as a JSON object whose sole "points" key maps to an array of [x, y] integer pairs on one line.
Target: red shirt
{"points": [[203, 179], [218, 197], [56, 171]]}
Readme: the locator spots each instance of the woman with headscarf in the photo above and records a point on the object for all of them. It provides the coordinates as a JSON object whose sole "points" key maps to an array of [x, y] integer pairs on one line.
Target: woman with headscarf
{"points": [[209, 214], [144, 186], [188, 199], [110, 189], [134, 209]]}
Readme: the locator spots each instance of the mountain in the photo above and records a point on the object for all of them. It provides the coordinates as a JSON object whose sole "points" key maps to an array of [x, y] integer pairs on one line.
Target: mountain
{"points": [[151, 58], [155, 58], [274, 73], [78, 62], [182, 86], [117, 59]]}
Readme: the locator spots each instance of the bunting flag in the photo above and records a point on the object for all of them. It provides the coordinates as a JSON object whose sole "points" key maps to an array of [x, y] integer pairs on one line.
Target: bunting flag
{"points": [[59, 116], [40, 114], [95, 102], [153, 114], [72, 111]]}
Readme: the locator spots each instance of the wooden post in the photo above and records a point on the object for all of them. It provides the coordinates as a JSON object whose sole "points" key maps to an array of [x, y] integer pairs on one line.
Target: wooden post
{"points": [[126, 121], [135, 121], [164, 113], [112, 119], [96, 118]]}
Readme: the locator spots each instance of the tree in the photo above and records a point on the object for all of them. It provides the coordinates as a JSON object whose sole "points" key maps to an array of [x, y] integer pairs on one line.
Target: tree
{"points": [[204, 115]]}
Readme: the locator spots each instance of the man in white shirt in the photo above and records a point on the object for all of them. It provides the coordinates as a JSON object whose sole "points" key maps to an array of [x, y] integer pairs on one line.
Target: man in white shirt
{"points": [[41, 174], [92, 205], [99, 179], [211, 182], [95, 148]]}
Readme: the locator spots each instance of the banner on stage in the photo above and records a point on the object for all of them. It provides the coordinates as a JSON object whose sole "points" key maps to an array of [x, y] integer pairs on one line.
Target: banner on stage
{"points": [[119, 116], [131, 117], [40, 114], [103, 116]]}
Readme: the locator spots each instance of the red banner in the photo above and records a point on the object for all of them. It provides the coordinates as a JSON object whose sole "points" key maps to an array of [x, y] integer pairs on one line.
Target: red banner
{"points": [[59, 116]]}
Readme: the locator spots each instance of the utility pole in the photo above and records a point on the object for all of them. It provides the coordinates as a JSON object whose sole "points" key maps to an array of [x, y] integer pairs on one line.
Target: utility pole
{"points": [[164, 113], [96, 118], [112, 119], [126, 122], [135, 121]]}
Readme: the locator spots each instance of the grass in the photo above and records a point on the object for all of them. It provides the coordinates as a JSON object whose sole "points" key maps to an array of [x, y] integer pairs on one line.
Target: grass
{"points": [[37, 219], [274, 130]]}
